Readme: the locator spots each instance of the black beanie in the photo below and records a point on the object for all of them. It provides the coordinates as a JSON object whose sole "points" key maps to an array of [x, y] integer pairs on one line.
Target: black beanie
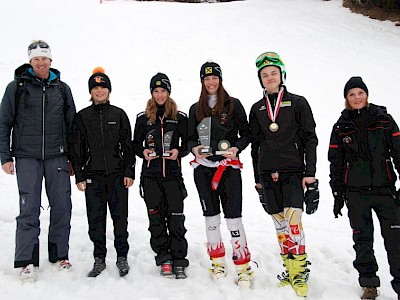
{"points": [[160, 80], [99, 78], [210, 68], [355, 82]]}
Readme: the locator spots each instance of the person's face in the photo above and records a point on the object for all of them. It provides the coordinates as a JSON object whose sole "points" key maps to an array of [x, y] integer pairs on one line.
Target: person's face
{"points": [[211, 83], [99, 94], [41, 66], [160, 95], [357, 98], [271, 78]]}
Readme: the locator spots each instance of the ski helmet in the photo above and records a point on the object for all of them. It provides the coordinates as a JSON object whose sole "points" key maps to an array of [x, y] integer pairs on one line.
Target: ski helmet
{"points": [[270, 59]]}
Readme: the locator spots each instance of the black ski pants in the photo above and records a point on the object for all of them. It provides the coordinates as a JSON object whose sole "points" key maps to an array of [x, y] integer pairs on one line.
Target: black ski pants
{"points": [[360, 205], [100, 192], [164, 200], [228, 194]]}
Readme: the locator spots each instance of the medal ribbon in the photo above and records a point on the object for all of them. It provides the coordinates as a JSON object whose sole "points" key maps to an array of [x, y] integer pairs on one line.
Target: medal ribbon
{"points": [[274, 114]]}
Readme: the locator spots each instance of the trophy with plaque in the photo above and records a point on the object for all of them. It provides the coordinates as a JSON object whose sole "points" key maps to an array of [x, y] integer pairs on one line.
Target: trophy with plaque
{"points": [[150, 140], [223, 147], [167, 138], [204, 131]]}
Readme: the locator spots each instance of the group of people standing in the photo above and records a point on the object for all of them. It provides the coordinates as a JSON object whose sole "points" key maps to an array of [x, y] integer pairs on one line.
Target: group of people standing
{"points": [[39, 126]]}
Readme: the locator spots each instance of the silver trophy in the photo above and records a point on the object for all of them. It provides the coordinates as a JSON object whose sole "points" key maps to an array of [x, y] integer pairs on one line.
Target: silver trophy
{"points": [[204, 131], [167, 138], [150, 140], [223, 147]]}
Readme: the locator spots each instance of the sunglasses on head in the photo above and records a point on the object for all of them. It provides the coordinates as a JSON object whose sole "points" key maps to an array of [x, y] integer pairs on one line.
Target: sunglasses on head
{"points": [[267, 56], [36, 44]]}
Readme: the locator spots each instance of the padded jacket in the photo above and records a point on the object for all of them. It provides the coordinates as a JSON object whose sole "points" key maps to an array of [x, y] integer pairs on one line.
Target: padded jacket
{"points": [[39, 121], [364, 144]]}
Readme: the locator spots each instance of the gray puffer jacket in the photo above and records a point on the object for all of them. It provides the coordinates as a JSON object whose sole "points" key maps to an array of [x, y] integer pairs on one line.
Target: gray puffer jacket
{"points": [[39, 121]]}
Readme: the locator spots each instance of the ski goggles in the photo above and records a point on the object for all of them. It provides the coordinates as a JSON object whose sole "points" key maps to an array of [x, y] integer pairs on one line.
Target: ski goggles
{"points": [[268, 58], [36, 44]]}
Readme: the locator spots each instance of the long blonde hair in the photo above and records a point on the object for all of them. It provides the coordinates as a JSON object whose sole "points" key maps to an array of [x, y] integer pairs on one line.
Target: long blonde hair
{"points": [[170, 111]]}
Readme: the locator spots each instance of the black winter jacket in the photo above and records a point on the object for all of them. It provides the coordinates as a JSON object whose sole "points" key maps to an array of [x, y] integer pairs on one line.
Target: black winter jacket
{"points": [[362, 146], [290, 149], [39, 122], [161, 166], [234, 129], [101, 143]]}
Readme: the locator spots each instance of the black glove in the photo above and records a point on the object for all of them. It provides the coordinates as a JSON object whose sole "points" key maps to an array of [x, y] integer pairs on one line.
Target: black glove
{"points": [[340, 200], [311, 197]]}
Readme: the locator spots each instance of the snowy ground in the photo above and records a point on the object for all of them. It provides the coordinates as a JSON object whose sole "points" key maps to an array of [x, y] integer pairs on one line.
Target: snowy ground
{"points": [[322, 44]]}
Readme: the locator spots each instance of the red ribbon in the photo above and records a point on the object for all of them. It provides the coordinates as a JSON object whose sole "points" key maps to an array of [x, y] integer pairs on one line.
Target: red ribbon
{"points": [[221, 169]]}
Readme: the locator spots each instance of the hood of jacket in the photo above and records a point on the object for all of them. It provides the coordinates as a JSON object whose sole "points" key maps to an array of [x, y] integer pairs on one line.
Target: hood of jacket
{"points": [[26, 71]]}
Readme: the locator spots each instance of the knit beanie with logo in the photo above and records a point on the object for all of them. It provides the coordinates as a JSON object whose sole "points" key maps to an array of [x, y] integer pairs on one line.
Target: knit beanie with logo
{"points": [[39, 48], [99, 78], [160, 80], [210, 68]]}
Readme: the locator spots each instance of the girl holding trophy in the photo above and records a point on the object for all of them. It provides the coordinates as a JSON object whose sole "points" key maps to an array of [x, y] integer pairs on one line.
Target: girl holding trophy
{"points": [[218, 131], [160, 139]]}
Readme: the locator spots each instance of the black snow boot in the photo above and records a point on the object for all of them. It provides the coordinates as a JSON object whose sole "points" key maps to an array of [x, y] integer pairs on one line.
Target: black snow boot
{"points": [[98, 267]]}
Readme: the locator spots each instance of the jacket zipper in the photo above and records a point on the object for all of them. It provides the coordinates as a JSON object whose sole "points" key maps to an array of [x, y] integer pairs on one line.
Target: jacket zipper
{"points": [[162, 143], [102, 140], [43, 121]]}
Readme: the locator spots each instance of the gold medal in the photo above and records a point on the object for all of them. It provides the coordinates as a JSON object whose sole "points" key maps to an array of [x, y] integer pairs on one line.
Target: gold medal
{"points": [[273, 127]]}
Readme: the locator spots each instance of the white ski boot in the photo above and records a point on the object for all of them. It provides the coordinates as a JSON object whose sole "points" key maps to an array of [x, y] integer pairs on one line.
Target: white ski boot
{"points": [[218, 268], [244, 274]]}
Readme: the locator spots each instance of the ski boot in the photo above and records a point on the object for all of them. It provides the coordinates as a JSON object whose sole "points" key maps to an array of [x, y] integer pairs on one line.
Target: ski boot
{"points": [[166, 269], [284, 277], [370, 293], [298, 273], [244, 274], [218, 268]]}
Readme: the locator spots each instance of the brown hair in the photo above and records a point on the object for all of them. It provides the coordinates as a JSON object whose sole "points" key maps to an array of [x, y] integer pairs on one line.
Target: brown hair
{"points": [[171, 110], [203, 110]]}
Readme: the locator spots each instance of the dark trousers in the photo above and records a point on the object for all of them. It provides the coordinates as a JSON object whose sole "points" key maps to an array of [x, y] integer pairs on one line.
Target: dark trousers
{"points": [[100, 192], [228, 194], [360, 205], [30, 174], [286, 192], [164, 200]]}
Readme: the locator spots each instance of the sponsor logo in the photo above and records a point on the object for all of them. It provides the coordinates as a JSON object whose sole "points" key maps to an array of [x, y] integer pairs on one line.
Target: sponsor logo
{"points": [[99, 79], [347, 140], [235, 233], [294, 229]]}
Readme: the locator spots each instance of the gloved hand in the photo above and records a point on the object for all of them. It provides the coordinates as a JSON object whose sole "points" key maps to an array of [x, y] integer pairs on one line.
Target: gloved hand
{"points": [[397, 197], [311, 197], [260, 194], [340, 200]]}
